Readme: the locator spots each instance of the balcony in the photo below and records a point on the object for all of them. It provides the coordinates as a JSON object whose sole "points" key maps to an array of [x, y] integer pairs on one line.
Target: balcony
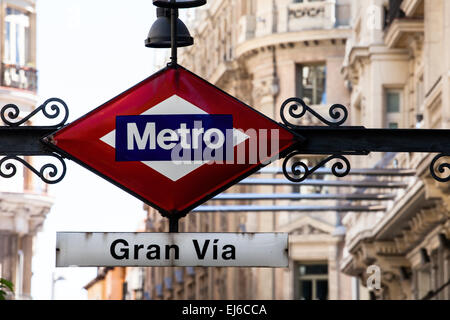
{"points": [[399, 27], [18, 77], [399, 33], [23, 213]]}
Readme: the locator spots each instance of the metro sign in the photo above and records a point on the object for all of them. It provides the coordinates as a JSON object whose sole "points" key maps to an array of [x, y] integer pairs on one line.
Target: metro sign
{"points": [[174, 141]]}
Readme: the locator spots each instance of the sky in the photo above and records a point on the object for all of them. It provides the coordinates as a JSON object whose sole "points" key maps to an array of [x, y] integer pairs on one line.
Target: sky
{"points": [[87, 53]]}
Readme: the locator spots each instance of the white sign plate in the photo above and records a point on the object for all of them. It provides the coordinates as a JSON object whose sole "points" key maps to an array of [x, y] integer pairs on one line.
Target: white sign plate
{"points": [[172, 249]]}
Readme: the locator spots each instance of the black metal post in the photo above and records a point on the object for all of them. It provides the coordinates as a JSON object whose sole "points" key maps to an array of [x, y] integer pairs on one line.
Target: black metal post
{"points": [[174, 14], [173, 224]]}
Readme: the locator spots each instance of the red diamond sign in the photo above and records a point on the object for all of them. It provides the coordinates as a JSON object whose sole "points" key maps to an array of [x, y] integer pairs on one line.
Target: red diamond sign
{"points": [[174, 141]]}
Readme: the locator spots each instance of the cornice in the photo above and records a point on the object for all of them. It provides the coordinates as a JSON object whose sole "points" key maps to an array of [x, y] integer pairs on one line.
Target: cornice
{"points": [[23, 213], [26, 198], [410, 7], [365, 53], [401, 28], [292, 38], [402, 207]]}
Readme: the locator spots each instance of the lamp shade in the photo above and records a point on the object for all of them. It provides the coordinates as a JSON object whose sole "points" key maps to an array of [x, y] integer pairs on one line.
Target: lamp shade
{"points": [[179, 3], [160, 32]]}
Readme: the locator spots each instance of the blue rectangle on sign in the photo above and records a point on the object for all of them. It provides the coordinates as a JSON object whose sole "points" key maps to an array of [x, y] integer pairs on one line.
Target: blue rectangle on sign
{"points": [[173, 137]]}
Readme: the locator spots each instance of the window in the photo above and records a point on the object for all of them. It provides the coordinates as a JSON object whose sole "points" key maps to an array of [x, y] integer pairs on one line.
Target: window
{"points": [[17, 71], [125, 294], [296, 188], [159, 290], [420, 94], [393, 108], [203, 287], [17, 37], [312, 281], [420, 99], [343, 14], [311, 83], [392, 101], [191, 292], [393, 125]]}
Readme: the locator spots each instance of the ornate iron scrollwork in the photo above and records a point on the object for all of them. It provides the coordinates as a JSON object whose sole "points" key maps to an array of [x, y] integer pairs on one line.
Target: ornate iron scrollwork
{"points": [[299, 170], [11, 112], [337, 112], [436, 167], [49, 173]]}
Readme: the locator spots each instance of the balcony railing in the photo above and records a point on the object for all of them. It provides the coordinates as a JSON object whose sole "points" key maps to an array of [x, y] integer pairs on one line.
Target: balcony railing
{"points": [[18, 77]]}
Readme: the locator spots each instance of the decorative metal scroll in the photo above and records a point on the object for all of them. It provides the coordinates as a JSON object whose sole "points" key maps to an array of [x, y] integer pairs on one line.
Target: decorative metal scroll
{"points": [[440, 167], [51, 109], [299, 170], [297, 109], [49, 173]]}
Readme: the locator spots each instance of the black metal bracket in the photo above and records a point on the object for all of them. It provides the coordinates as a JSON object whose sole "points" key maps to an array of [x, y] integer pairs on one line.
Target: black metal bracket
{"points": [[334, 140], [49, 173], [299, 170], [17, 142], [10, 113], [338, 140], [293, 105]]}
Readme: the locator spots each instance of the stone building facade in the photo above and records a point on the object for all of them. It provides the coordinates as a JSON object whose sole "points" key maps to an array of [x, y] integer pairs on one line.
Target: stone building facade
{"points": [[24, 202], [398, 66], [264, 52], [389, 63]]}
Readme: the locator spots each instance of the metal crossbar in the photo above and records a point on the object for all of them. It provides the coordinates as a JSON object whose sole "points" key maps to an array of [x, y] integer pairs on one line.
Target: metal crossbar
{"points": [[256, 208], [325, 183], [298, 196], [356, 172]]}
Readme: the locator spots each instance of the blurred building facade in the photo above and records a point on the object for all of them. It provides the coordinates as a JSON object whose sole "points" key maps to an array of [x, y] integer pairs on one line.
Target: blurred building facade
{"points": [[108, 285], [24, 202], [398, 66], [263, 52], [388, 62]]}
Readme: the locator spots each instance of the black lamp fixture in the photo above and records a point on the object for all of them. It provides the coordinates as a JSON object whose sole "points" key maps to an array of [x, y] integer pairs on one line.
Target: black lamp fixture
{"points": [[160, 32], [179, 3], [169, 31]]}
